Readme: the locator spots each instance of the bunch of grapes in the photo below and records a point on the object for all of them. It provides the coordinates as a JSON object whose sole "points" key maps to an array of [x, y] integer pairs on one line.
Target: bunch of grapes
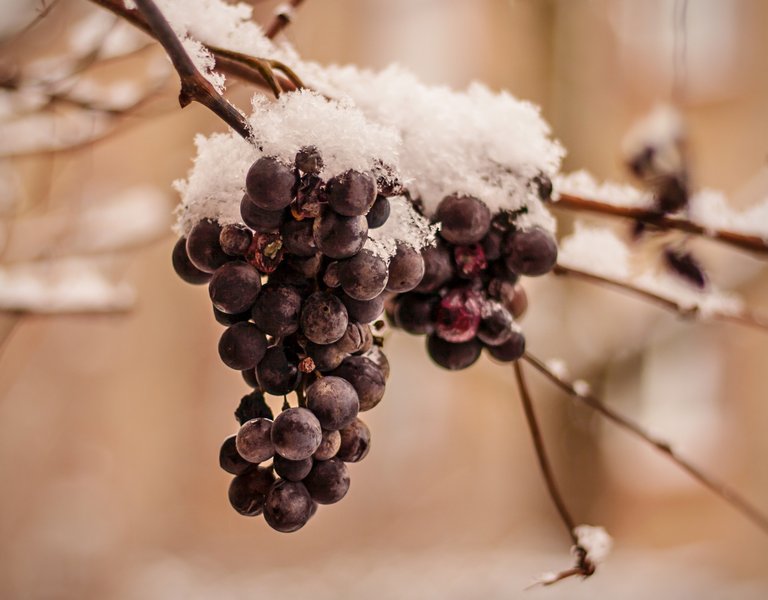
{"points": [[298, 292], [470, 296]]}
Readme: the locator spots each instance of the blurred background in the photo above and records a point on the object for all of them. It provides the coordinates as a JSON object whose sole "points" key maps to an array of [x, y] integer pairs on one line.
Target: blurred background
{"points": [[111, 415]]}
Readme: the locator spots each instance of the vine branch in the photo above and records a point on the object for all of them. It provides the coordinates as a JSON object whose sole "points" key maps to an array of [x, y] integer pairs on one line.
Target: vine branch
{"points": [[752, 243], [745, 318], [720, 489], [194, 87]]}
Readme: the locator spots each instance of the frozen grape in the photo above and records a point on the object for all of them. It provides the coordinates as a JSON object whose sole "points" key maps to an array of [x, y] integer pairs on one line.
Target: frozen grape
{"points": [[463, 219], [338, 236], [292, 470], [235, 240], [496, 326], [364, 276], [530, 252], [355, 442], [288, 506], [242, 346], [296, 433], [366, 377], [457, 315], [248, 491], [278, 372], [352, 193], [266, 252], [298, 237], [328, 481], [406, 269], [234, 287], [203, 247], [329, 445], [452, 356], [184, 267], [323, 318], [379, 212], [334, 401], [470, 260], [258, 219], [276, 309], [270, 183]]}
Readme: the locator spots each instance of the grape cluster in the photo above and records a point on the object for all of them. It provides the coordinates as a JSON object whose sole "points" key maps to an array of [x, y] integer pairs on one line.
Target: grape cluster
{"points": [[298, 292], [470, 296]]}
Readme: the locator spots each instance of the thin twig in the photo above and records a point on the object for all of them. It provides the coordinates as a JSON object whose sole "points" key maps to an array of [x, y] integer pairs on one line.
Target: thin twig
{"points": [[720, 489], [745, 317], [282, 18], [739, 240], [541, 454], [194, 87]]}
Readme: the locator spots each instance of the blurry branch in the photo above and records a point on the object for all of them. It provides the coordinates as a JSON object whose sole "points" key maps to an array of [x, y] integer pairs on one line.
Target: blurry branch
{"points": [[743, 317], [283, 18], [739, 240], [42, 12], [228, 62], [194, 87], [723, 491], [584, 567]]}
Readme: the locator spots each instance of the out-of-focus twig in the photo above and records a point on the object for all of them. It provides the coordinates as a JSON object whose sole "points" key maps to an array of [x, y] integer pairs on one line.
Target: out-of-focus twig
{"points": [[283, 18], [720, 489]]}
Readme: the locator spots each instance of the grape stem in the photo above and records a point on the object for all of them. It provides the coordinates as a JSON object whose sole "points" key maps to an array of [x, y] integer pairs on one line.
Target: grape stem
{"points": [[194, 87], [745, 317], [584, 567], [720, 489], [733, 238], [282, 18]]}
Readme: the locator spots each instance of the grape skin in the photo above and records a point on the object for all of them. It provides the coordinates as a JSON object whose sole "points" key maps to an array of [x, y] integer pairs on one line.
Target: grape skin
{"points": [[328, 481], [323, 318], [270, 183], [254, 440], [288, 506], [203, 247], [184, 267], [242, 346], [355, 442], [234, 287], [333, 401], [296, 433]]}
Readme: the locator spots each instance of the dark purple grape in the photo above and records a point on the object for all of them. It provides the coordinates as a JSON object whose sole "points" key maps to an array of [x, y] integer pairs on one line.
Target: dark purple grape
{"points": [[288, 506], [234, 287], [292, 470], [530, 252], [492, 244], [458, 314], [366, 377], [331, 277], [276, 310], [298, 238], [278, 372], [510, 350], [329, 445], [339, 237], [227, 319], [309, 161], [363, 311], [352, 193], [326, 356], [463, 220], [511, 295], [248, 491], [242, 346], [379, 359], [683, 264], [235, 239], [379, 212], [451, 356], [307, 266], [438, 268], [406, 269], [203, 247], [254, 441], [258, 219], [249, 376], [253, 406], [470, 260], [415, 313], [496, 326], [323, 318], [356, 338], [334, 401], [270, 183], [364, 276], [355, 442], [328, 481], [230, 459], [184, 267], [296, 433]]}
